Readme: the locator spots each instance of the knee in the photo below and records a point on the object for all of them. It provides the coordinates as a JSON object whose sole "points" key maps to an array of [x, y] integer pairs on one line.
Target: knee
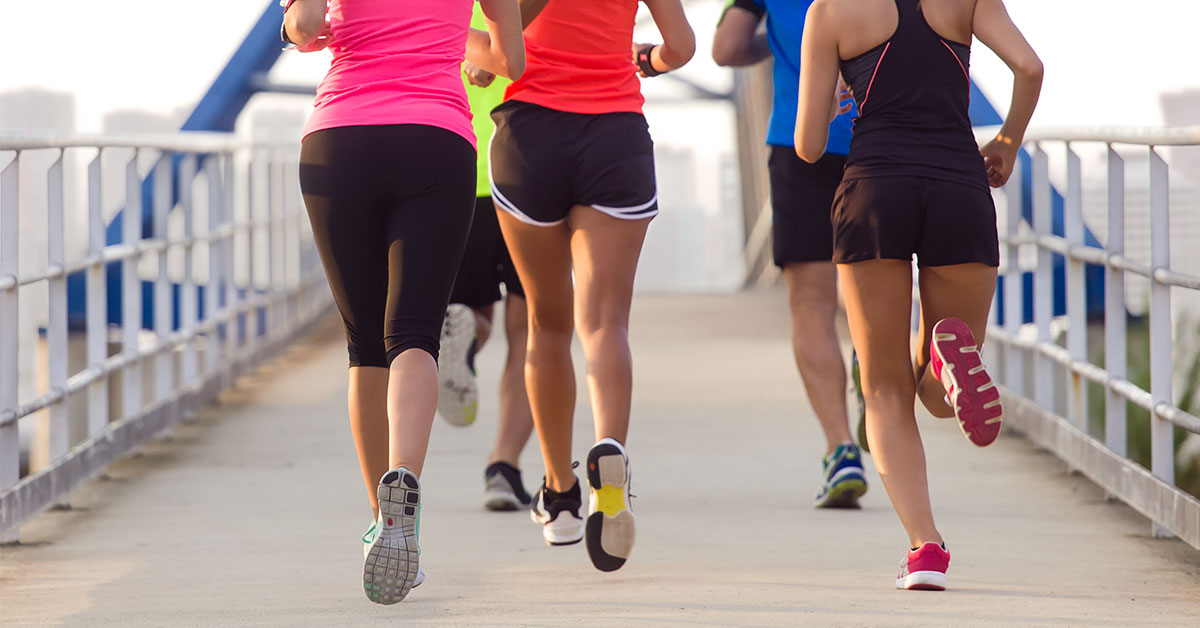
{"points": [[812, 305], [890, 395]]}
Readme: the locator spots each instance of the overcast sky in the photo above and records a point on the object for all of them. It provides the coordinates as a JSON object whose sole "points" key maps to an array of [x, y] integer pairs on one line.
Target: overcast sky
{"points": [[1106, 61]]}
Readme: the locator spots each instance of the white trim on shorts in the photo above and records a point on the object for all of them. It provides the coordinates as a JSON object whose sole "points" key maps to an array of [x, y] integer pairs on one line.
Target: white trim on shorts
{"points": [[635, 212]]}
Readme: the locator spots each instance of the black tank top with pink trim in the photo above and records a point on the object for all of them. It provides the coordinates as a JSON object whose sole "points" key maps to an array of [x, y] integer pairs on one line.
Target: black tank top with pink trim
{"points": [[913, 92]]}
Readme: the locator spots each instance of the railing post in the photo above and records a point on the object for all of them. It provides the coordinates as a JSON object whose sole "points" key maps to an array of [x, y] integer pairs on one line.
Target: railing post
{"points": [[230, 256], [131, 289], [1115, 317], [1162, 446], [1077, 328], [10, 438], [1014, 291], [212, 350], [97, 301], [164, 376], [1043, 279], [188, 297], [56, 329]]}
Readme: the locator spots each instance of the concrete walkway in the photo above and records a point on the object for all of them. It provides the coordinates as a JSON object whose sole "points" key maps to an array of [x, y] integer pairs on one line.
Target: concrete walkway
{"points": [[250, 515]]}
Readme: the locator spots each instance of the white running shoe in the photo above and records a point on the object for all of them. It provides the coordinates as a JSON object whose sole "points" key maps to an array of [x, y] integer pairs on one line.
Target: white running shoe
{"points": [[393, 559], [610, 523], [369, 537], [558, 514], [458, 393]]}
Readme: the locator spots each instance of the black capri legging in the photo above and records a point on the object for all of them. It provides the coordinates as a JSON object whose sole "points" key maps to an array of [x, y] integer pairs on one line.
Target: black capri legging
{"points": [[390, 208]]}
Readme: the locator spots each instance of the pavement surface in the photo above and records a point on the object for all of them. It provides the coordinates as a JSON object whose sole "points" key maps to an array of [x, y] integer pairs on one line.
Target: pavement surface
{"points": [[250, 514]]}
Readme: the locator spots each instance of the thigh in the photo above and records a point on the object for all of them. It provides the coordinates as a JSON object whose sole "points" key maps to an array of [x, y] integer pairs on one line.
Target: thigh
{"points": [[542, 258], [529, 162], [958, 226], [348, 223], [962, 291], [427, 226], [801, 204], [605, 252], [477, 284], [612, 169], [876, 218], [878, 296]]}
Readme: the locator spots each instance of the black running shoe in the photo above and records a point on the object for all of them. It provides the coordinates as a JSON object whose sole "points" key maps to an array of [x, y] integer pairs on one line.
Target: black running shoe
{"points": [[503, 488], [558, 514], [610, 524]]}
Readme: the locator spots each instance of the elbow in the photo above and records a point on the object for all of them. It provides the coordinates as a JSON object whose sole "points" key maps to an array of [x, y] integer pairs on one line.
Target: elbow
{"points": [[1032, 70], [809, 154], [678, 53], [514, 68], [723, 53]]}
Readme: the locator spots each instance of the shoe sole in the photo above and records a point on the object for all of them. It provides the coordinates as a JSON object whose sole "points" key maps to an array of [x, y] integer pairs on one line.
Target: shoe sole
{"points": [[568, 534], [611, 528], [977, 400], [923, 581], [501, 501], [458, 392], [392, 564], [844, 494]]}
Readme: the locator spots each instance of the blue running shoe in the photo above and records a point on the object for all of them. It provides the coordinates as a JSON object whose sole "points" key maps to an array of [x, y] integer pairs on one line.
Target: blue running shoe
{"points": [[845, 481]]}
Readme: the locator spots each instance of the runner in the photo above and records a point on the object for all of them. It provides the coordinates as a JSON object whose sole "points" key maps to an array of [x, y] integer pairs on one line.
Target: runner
{"points": [[573, 180], [386, 168], [802, 236], [916, 183], [485, 266]]}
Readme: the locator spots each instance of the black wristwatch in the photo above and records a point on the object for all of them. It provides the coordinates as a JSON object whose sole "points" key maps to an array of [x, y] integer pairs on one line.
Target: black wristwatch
{"points": [[644, 63]]}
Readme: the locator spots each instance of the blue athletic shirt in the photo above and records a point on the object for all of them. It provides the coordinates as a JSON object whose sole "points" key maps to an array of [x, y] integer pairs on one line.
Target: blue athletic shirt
{"points": [[785, 26]]}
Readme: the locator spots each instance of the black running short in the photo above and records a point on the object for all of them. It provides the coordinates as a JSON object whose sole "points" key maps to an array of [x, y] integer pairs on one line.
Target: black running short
{"points": [[544, 161], [801, 201], [941, 222], [486, 263]]}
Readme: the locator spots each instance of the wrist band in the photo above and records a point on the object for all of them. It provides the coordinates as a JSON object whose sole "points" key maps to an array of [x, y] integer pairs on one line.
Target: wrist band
{"points": [[644, 63]]}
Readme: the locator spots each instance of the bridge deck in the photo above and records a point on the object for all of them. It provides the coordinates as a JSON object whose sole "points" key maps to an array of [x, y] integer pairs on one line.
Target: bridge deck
{"points": [[250, 515]]}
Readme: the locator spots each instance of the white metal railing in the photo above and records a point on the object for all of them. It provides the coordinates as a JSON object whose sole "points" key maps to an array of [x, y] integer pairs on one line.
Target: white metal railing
{"points": [[251, 254], [1033, 408]]}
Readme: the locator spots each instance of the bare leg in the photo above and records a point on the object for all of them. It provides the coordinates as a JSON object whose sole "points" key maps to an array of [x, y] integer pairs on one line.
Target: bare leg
{"points": [[542, 257], [605, 251], [878, 296], [412, 399], [369, 424], [962, 291], [516, 420], [812, 298]]}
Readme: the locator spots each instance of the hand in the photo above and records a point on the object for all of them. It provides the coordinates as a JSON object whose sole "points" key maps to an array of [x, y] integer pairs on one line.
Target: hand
{"points": [[843, 101], [636, 49], [999, 156], [476, 75]]}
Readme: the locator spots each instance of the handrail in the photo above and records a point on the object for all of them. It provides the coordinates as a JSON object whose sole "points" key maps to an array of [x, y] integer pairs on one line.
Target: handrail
{"points": [[1136, 135]]}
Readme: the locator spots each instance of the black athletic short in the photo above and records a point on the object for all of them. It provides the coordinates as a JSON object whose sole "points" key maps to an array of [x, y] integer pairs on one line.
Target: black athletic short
{"points": [[486, 263], [895, 217], [801, 201], [544, 161]]}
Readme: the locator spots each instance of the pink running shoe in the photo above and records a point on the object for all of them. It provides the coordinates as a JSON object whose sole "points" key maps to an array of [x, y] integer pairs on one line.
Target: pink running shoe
{"points": [[954, 358], [924, 569]]}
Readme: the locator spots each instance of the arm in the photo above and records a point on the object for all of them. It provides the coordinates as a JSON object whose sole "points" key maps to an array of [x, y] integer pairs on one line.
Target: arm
{"points": [[501, 49], [818, 81], [530, 9], [480, 77], [679, 42], [737, 41], [303, 20], [995, 29]]}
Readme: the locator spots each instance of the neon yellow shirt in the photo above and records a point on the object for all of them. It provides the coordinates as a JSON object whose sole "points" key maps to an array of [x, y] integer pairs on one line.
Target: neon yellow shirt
{"points": [[482, 101]]}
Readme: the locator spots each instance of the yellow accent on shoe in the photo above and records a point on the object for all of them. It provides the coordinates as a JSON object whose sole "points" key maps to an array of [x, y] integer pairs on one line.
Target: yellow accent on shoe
{"points": [[610, 500]]}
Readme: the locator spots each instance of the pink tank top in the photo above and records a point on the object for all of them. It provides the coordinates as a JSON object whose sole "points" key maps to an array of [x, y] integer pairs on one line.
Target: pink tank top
{"points": [[395, 62]]}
